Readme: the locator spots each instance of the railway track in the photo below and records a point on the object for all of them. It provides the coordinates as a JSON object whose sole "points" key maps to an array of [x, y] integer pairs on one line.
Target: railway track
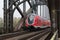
{"points": [[36, 36], [10, 35], [26, 35]]}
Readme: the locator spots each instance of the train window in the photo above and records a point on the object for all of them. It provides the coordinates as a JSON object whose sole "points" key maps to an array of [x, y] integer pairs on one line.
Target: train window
{"points": [[31, 18], [30, 21]]}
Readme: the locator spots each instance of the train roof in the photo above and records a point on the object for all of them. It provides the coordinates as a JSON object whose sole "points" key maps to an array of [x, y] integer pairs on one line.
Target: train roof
{"points": [[32, 14]]}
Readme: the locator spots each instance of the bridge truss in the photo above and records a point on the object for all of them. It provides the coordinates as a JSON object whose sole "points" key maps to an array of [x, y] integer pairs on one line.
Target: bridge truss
{"points": [[9, 10]]}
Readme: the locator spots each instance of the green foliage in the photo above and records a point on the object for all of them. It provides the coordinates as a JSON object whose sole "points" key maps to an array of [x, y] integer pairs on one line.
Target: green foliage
{"points": [[1, 25], [1, 22], [15, 21]]}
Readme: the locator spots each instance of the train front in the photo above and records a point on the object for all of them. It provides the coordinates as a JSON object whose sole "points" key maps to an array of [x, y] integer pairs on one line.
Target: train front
{"points": [[30, 21]]}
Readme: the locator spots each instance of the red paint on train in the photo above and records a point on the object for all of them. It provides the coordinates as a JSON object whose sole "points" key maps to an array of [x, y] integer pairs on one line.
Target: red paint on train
{"points": [[37, 21]]}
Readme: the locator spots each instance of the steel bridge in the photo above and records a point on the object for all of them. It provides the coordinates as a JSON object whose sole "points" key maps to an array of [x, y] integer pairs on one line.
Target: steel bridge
{"points": [[54, 12]]}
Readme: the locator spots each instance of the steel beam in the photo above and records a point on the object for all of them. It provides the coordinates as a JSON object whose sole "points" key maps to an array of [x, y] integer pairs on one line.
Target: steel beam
{"points": [[12, 4], [15, 2], [29, 3], [33, 6], [18, 9], [51, 5], [24, 10], [24, 7], [10, 17], [40, 9], [37, 7], [5, 16], [16, 6], [57, 2]]}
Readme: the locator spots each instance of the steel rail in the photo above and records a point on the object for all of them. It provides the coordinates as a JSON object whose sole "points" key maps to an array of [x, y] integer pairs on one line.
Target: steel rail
{"points": [[40, 34], [10, 35]]}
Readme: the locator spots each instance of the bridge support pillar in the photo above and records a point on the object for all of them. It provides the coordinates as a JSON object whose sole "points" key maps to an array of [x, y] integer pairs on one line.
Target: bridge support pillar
{"points": [[57, 2], [5, 16], [8, 17]]}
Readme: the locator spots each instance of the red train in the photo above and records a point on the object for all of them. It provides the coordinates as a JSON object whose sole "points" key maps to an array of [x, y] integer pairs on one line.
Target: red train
{"points": [[35, 21]]}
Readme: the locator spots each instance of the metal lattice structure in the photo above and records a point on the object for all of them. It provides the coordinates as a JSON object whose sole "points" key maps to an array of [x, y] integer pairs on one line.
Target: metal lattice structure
{"points": [[8, 12]]}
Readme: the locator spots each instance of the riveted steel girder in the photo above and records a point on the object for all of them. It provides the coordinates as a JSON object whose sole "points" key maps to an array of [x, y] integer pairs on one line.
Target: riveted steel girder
{"points": [[5, 16]]}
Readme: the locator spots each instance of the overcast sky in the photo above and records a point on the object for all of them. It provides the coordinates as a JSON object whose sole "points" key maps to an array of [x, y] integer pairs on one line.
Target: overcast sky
{"points": [[1, 8], [16, 13]]}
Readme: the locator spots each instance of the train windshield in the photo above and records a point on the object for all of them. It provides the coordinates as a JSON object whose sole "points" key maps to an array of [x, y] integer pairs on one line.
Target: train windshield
{"points": [[31, 18]]}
